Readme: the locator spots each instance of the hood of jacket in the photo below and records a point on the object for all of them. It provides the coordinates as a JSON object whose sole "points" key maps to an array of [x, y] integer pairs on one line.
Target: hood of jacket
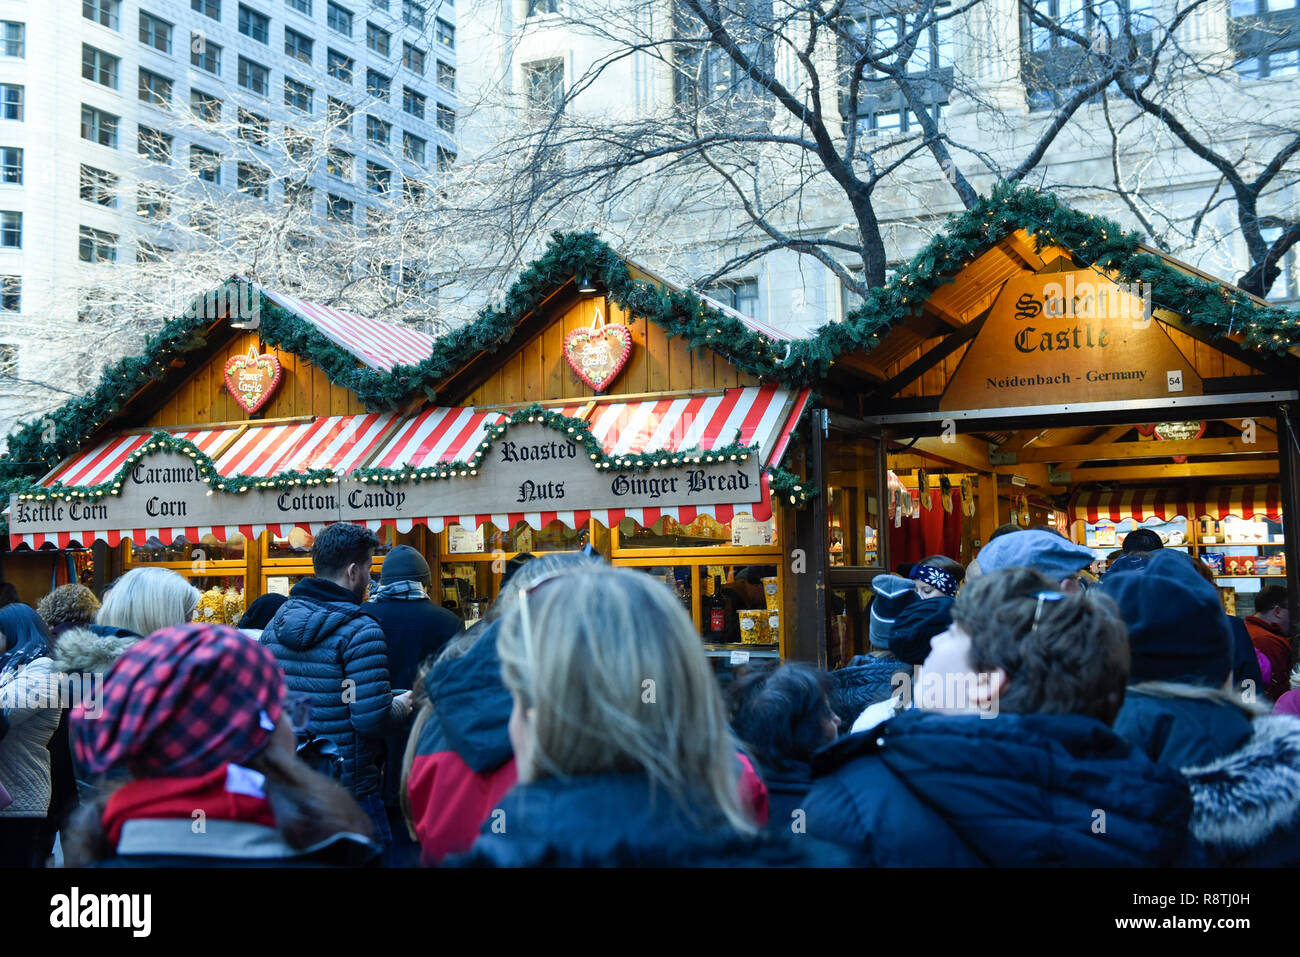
{"points": [[87, 651], [472, 704], [1180, 725], [315, 610], [1024, 790], [1244, 797]]}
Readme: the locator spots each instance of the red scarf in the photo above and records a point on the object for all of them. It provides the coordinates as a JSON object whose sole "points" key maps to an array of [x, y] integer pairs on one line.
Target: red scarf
{"points": [[180, 798]]}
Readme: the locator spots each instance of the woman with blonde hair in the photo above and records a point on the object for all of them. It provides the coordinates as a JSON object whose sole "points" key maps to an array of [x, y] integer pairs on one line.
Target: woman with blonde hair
{"points": [[147, 599], [620, 736]]}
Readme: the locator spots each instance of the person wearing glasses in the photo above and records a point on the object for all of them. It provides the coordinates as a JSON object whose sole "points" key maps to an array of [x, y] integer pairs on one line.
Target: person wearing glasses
{"points": [[1007, 757], [198, 731], [620, 738]]}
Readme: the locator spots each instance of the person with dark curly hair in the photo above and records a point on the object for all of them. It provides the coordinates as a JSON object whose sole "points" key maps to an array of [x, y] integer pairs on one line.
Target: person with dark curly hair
{"points": [[68, 606]]}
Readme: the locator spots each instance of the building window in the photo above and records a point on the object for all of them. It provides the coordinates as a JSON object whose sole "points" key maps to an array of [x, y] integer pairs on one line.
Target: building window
{"points": [[203, 220], [378, 39], [339, 66], [107, 13], [98, 126], [379, 179], [413, 147], [338, 209], [413, 102], [9, 361], [413, 58], [1266, 37], [98, 186], [413, 14], [252, 179], [298, 95], [539, 7], [11, 165], [97, 246], [146, 252], [11, 101], [299, 196], [254, 24], [297, 146], [338, 163], [340, 113], [11, 293], [377, 85], [412, 189], [155, 89], [14, 36], [302, 6], [205, 106], [740, 295], [98, 66], [544, 85], [446, 159], [446, 76], [206, 163], [377, 131], [1055, 68], [205, 54], [152, 202], [446, 34], [254, 128], [154, 145], [209, 8], [155, 32], [446, 118], [297, 45], [340, 19], [254, 76]]}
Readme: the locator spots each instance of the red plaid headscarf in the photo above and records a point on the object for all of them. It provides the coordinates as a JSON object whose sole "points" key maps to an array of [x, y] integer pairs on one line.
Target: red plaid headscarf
{"points": [[182, 702]]}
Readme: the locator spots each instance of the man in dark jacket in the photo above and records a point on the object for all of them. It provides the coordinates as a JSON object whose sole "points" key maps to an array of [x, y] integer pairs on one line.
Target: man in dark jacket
{"points": [[334, 651], [1008, 760], [415, 629]]}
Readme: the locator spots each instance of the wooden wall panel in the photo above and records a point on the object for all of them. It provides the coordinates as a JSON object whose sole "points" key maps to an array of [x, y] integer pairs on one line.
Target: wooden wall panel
{"points": [[304, 390]]}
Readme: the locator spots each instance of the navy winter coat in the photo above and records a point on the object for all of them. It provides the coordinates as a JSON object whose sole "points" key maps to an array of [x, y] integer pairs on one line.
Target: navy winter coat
{"points": [[867, 680], [927, 789], [413, 631], [1179, 732], [330, 648], [615, 820], [787, 790]]}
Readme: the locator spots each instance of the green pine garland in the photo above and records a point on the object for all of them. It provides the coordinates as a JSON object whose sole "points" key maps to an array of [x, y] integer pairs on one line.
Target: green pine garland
{"points": [[1093, 240], [164, 442]]}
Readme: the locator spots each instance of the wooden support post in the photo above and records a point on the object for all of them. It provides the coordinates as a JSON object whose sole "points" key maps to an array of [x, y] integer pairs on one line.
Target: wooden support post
{"points": [[804, 603], [986, 508], [1289, 467]]}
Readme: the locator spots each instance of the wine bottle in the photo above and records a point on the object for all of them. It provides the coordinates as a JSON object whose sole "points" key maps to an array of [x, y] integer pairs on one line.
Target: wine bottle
{"points": [[717, 611]]}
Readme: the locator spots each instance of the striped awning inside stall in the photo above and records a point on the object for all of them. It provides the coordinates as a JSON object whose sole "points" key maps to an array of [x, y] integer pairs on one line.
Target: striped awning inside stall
{"points": [[1141, 504]]}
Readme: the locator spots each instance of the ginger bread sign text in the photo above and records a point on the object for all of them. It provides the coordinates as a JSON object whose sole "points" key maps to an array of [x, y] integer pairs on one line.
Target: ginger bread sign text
{"points": [[1068, 337]]}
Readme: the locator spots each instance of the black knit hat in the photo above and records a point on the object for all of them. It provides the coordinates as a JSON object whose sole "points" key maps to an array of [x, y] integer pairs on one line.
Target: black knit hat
{"points": [[916, 625], [1177, 628], [404, 564], [1142, 540]]}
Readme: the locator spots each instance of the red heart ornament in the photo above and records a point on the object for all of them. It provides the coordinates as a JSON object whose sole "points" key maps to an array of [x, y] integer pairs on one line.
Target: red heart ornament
{"points": [[252, 378], [599, 353]]}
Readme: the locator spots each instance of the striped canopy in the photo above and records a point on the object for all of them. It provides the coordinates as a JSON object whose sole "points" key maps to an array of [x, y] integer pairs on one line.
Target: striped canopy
{"points": [[1141, 504]]}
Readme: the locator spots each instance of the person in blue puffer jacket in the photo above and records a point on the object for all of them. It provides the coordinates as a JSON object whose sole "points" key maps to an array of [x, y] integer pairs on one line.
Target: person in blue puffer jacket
{"points": [[1007, 758], [332, 650]]}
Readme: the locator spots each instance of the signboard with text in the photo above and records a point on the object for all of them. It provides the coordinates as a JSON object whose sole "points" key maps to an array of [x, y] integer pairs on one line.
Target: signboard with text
{"points": [[1069, 337], [530, 469]]}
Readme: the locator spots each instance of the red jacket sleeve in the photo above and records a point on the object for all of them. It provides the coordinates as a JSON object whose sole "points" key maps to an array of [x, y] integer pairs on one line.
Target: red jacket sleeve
{"points": [[449, 802], [753, 792]]}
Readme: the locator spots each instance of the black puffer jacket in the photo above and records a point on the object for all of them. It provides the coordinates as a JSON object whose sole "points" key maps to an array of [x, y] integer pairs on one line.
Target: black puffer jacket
{"points": [[331, 649]]}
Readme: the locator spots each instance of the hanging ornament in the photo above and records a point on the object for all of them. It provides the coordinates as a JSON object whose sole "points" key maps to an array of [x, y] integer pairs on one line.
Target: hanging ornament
{"points": [[598, 353], [1173, 432], [945, 493], [923, 489], [967, 497], [253, 378]]}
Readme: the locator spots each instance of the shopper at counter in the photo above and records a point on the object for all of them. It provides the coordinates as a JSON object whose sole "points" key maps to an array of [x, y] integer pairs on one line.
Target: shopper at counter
{"points": [[1270, 630], [1008, 760]]}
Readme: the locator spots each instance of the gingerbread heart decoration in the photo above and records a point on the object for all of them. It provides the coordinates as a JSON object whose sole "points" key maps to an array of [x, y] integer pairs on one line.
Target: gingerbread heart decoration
{"points": [[598, 353], [252, 378]]}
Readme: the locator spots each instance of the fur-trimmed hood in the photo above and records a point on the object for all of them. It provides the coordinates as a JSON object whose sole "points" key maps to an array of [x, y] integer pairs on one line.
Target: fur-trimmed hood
{"points": [[1247, 804], [82, 651]]}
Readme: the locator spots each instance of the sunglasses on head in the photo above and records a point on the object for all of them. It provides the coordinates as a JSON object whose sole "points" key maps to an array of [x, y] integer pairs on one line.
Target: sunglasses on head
{"points": [[1044, 598]]}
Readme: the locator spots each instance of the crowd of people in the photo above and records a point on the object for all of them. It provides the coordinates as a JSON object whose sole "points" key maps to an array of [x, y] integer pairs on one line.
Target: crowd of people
{"points": [[1019, 711]]}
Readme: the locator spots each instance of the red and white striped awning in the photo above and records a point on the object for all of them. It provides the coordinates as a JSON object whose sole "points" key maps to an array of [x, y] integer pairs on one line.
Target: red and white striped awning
{"points": [[101, 463], [380, 345], [1141, 504], [762, 416], [337, 442]]}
